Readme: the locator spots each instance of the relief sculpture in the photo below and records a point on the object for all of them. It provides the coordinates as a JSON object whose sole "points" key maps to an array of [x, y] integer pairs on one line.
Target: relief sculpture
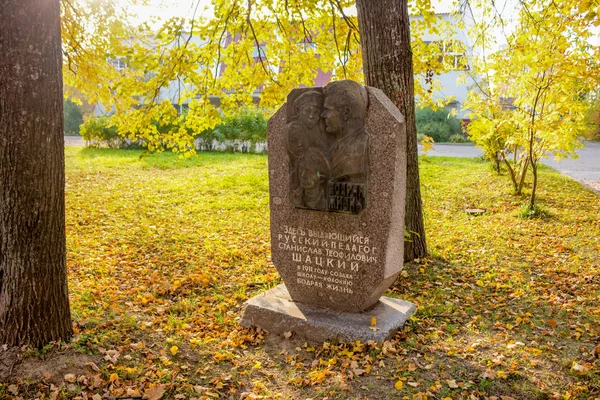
{"points": [[328, 148]]}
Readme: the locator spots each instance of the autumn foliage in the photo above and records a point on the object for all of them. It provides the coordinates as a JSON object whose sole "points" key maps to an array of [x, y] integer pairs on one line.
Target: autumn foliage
{"points": [[162, 253]]}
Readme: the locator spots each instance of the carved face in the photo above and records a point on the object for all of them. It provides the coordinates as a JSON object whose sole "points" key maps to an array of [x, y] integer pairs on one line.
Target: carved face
{"points": [[309, 177], [309, 114], [332, 117], [296, 141]]}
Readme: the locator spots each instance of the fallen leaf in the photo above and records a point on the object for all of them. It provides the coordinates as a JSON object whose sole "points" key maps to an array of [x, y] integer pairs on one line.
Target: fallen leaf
{"points": [[452, 384], [14, 389], [154, 392], [398, 385], [373, 321], [578, 367], [174, 350]]}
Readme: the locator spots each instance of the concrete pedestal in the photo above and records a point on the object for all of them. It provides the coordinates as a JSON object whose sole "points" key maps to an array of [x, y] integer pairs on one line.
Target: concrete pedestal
{"points": [[275, 312]]}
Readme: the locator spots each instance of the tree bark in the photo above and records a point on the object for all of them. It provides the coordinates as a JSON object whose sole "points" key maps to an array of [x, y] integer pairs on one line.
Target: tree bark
{"points": [[34, 303], [534, 185], [387, 62]]}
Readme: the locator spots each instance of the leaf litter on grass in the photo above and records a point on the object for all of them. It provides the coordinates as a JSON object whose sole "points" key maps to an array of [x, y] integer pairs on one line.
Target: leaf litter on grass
{"points": [[163, 252]]}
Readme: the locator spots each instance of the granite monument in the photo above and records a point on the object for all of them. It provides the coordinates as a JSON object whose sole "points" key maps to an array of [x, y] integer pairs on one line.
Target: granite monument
{"points": [[337, 177]]}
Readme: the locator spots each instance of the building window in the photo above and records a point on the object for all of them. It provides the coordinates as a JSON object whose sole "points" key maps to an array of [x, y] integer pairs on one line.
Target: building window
{"points": [[259, 52], [452, 52], [307, 44], [118, 63]]}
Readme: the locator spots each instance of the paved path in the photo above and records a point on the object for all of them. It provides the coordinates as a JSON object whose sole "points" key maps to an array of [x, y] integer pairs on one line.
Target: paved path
{"points": [[585, 169], [76, 141], [454, 150]]}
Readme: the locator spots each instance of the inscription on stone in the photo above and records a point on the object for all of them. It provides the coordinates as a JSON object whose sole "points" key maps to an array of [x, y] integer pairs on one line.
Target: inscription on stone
{"points": [[326, 260], [328, 148]]}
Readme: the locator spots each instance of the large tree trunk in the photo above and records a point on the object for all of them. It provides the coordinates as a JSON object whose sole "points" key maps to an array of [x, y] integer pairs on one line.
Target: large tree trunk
{"points": [[34, 302], [387, 62]]}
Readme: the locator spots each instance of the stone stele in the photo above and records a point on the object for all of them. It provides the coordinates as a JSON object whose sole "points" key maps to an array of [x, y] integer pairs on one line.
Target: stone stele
{"points": [[337, 178]]}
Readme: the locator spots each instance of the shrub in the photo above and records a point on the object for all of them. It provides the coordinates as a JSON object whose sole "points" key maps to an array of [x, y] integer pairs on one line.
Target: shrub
{"points": [[438, 124], [593, 122], [98, 131], [73, 116], [457, 138], [242, 129]]}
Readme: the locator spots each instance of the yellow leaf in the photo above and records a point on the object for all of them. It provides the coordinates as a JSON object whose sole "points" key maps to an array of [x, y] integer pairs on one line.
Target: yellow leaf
{"points": [[373, 321], [174, 350], [113, 377], [452, 384], [502, 375], [398, 385]]}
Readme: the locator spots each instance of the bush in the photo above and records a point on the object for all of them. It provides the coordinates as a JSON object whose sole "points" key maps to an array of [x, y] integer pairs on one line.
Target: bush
{"points": [[593, 122], [457, 138], [98, 131], [438, 124], [73, 116], [241, 130]]}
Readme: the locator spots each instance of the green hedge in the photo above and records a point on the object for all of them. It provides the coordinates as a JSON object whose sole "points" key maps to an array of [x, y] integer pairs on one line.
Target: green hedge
{"points": [[238, 131], [73, 117], [439, 124]]}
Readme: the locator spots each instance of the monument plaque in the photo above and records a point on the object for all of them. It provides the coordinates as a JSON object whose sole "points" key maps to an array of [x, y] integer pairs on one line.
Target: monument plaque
{"points": [[337, 177]]}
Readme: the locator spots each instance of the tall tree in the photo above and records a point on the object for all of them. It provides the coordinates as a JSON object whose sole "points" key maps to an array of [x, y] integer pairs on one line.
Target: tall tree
{"points": [[537, 90], [275, 45], [34, 303], [388, 65]]}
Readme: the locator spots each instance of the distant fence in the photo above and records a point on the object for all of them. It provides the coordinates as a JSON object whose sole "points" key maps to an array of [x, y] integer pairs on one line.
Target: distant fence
{"points": [[231, 146], [234, 146]]}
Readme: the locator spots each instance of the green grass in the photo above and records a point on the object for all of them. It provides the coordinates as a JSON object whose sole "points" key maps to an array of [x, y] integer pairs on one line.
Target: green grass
{"points": [[163, 252]]}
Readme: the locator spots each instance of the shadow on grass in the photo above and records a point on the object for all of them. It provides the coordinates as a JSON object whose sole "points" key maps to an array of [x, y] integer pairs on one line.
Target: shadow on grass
{"points": [[485, 337]]}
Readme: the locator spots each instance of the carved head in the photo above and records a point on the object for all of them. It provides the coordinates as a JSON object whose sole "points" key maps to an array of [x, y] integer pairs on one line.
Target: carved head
{"points": [[297, 142], [345, 106], [313, 168], [308, 107]]}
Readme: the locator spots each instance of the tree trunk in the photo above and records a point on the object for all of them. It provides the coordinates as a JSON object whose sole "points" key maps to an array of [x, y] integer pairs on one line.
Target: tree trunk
{"points": [[523, 175], [34, 302], [387, 62], [534, 185]]}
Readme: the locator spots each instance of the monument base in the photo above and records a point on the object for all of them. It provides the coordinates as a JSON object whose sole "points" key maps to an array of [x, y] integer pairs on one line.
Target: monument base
{"points": [[275, 312]]}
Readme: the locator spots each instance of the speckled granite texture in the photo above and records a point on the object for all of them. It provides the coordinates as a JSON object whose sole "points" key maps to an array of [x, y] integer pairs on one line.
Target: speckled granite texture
{"points": [[339, 261]]}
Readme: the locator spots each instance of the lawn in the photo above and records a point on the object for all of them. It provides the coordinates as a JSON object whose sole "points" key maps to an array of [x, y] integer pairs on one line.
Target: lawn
{"points": [[163, 252]]}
